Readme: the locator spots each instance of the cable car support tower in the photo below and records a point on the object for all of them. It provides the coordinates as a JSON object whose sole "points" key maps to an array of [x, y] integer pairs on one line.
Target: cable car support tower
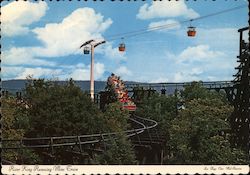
{"points": [[93, 44]]}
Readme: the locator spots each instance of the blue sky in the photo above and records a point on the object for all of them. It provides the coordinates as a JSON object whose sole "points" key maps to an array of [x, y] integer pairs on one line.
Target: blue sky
{"points": [[43, 38]]}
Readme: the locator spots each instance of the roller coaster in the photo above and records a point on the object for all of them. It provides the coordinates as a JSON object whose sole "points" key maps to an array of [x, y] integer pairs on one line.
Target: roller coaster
{"points": [[143, 132], [69, 141]]}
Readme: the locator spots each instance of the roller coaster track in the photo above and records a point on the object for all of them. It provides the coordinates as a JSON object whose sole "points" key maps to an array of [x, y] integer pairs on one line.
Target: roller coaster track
{"points": [[79, 140], [130, 85], [206, 84]]}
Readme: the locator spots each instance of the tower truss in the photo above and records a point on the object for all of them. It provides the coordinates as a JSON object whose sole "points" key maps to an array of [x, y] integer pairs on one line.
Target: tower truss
{"points": [[241, 89]]}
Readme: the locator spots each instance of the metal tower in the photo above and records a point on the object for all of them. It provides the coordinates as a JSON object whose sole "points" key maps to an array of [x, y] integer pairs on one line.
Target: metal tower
{"points": [[241, 114]]}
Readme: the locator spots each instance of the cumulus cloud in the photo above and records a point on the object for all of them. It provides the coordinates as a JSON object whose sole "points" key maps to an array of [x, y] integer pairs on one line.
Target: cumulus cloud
{"points": [[38, 72], [18, 15], [221, 38], [198, 53], [196, 71], [19, 72], [82, 72], [61, 39], [159, 80], [78, 72], [163, 9], [185, 77], [123, 71], [10, 72], [173, 24], [199, 63], [22, 55], [111, 53], [64, 38]]}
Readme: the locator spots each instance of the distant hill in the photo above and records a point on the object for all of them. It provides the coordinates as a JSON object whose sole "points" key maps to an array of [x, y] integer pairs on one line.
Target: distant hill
{"points": [[18, 85], [15, 85]]}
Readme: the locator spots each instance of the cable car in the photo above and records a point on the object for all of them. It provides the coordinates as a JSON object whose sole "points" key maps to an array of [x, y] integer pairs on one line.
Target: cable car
{"points": [[191, 31], [86, 50], [122, 47]]}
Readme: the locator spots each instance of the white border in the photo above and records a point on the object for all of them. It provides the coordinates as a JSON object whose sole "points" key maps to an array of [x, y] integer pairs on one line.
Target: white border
{"points": [[124, 169]]}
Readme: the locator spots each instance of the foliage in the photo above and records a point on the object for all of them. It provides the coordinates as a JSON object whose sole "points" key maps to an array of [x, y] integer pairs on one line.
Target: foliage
{"points": [[195, 90], [119, 149], [115, 118], [54, 109], [119, 152], [58, 110], [112, 96], [159, 108], [14, 125], [200, 133]]}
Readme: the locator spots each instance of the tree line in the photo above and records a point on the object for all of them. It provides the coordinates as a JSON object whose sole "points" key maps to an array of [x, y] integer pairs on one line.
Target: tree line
{"points": [[194, 123]]}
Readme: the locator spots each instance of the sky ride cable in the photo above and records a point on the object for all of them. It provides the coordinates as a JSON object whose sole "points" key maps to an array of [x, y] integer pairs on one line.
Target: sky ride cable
{"points": [[151, 29], [166, 26]]}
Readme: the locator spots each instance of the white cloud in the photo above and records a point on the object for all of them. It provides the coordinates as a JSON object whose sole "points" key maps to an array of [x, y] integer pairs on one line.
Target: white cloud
{"points": [[173, 24], [10, 72], [78, 72], [65, 38], [22, 55], [210, 56], [159, 80], [123, 71], [199, 63], [62, 39], [111, 52], [201, 53], [220, 38], [82, 72], [185, 77], [18, 15], [196, 71], [38, 72], [99, 70], [163, 9]]}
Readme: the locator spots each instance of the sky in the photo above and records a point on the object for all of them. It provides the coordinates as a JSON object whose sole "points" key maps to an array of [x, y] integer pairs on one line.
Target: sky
{"points": [[42, 39]]}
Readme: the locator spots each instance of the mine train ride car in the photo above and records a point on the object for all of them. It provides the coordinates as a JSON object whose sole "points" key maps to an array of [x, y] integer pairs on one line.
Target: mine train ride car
{"points": [[128, 104], [116, 85]]}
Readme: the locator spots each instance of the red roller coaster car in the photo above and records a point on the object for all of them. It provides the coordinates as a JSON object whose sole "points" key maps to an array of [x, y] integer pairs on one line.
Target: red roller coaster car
{"points": [[121, 92]]}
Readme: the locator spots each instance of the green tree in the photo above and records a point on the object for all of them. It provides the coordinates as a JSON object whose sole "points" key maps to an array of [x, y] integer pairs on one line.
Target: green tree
{"points": [[119, 152], [115, 118], [197, 133], [119, 149], [14, 126], [59, 110], [159, 108], [200, 133], [195, 90], [56, 109]]}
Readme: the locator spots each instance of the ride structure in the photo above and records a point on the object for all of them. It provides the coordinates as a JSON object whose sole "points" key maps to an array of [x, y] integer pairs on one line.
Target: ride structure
{"points": [[241, 95], [117, 91], [143, 136]]}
